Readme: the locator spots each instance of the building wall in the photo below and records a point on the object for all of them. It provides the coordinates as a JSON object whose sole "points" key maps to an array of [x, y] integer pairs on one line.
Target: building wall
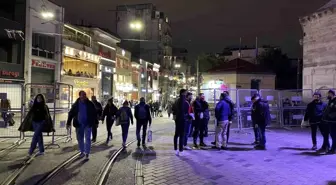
{"points": [[319, 50], [266, 81]]}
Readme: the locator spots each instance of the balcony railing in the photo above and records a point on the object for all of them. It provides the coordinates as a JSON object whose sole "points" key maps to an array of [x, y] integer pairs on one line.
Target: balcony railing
{"points": [[77, 36]]}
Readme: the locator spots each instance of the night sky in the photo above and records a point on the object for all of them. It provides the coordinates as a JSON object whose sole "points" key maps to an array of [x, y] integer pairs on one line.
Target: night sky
{"points": [[202, 26]]}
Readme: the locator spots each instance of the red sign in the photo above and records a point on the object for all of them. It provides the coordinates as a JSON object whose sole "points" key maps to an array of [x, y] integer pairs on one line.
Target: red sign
{"points": [[41, 64], [9, 73], [105, 54]]}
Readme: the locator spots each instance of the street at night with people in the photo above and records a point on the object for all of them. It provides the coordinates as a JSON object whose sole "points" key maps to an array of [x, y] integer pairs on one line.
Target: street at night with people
{"points": [[167, 92]]}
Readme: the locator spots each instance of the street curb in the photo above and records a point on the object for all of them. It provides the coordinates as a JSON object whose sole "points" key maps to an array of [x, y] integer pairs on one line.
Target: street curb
{"points": [[138, 175]]}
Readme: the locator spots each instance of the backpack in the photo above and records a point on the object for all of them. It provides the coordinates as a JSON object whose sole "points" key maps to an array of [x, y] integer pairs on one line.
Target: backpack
{"points": [[142, 112], [123, 116]]}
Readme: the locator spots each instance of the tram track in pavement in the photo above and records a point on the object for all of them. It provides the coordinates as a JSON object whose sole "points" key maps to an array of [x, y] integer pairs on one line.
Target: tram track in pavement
{"points": [[10, 180], [5, 151]]}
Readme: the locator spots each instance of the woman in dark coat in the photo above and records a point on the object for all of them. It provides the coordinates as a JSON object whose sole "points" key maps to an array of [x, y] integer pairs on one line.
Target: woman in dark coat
{"points": [[110, 112], [37, 120]]}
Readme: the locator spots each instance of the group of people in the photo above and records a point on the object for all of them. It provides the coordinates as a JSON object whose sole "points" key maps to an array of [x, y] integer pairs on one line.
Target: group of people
{"points": [[85, 115], [188, 114], [322, 116]]}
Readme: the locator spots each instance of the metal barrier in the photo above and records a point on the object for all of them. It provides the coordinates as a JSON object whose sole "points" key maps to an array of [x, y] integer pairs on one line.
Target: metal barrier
{"points": [[274, 101], [244, 104], [11, 94], [59, 100]]}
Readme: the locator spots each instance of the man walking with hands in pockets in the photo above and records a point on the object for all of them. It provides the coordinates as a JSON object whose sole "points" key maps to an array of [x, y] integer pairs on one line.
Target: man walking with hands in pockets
{"points": [[143, 117], [222, 113]]}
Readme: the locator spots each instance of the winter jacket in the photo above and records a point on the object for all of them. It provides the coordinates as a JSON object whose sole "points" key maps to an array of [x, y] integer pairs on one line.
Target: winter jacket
{"points": [[181, 110], [222, 111], [199, 108], [329, 115], [110, 111], [27, 124], [231, 104], [261, 113], [314, 112], [91, 114], [129, 114], [147, 108]]}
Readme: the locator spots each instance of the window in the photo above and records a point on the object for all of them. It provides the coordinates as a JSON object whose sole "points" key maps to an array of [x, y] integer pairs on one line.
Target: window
{"points": [[160, 26], [79, 68], [43, 46], [10, 51]]}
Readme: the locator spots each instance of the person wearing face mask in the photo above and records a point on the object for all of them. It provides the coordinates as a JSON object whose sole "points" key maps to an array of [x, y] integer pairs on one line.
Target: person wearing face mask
{"points": [[329, 117], [37, 120], [261, 117], [314, 114], [83, 114]]}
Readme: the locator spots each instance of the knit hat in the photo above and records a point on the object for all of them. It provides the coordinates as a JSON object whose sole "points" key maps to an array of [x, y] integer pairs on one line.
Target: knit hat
{"points": [[331, 91], [317, 94]]}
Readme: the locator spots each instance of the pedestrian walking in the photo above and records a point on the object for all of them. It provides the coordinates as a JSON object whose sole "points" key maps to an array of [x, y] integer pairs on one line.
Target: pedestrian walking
{"points": [[180, 109], [313, 115], [99, 109], [143, 117], [222, 113], [169, 109], [200, 121], [188, 123], [124, 117], [261, 117], [5, 106], [110, 112], [37, 120], [83, 115], [329, 117]]}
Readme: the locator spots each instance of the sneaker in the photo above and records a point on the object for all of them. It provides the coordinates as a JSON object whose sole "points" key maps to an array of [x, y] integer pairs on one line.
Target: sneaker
{"points": [[81, 155], [314, 147], [224, 148], [181, 153], [255, 143], [138, 144], [144, 144], [111, 137], [195, 145], [331, 152], [177, 153], [187, 147], [86, 156], [93, 140], [213, 143], [40, 153]]}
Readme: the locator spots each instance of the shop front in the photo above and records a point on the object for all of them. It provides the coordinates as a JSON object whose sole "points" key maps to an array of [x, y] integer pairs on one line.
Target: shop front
{"points": [[106, 81], [80, 69]]}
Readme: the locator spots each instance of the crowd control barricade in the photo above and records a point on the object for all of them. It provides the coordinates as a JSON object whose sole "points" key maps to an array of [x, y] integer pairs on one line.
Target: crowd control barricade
{"points": [[293, 105], [58, 98], [244, 104], [274, 102], [11, 109]]}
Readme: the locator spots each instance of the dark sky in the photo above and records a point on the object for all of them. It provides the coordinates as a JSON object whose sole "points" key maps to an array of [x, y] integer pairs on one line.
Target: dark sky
{"points": [[214, 24]]}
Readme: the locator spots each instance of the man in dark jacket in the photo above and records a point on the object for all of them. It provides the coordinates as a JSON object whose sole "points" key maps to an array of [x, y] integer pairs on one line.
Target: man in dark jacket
{"points": [[143, 116], [314, 114], [329, 117], [261, 117], [110, 112], [230, 102], [181, 108], [222, 113], [200, 121], [83, 114], [99, 109]]}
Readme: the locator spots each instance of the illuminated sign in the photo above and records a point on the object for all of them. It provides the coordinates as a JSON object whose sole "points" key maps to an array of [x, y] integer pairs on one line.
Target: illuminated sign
{"points": [[72, 52], [81, 83], [7, 73], [44, 65], [107, 69]]}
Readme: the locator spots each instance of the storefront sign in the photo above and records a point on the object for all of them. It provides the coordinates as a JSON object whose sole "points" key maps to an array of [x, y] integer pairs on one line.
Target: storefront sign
{"points": [[81, 83], [42, 64], [107, 69], [72, 52], [9, 74]]}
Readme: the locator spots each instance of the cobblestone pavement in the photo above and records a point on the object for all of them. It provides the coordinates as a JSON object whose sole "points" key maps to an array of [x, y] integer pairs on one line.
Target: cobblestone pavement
{"points": [[287, 161]]}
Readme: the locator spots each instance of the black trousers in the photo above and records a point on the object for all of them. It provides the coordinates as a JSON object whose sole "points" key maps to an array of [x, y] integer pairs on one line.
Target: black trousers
{"points": [[313, 128], [324, 128], [108, 129], [256, 133], [206, 127], [228, 132], [179, 135], [199, 130], [332, 130], [141, 124], [94, 130]]}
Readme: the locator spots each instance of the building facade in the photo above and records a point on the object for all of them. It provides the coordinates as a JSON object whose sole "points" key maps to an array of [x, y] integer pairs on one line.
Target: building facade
{"points": [[123, 76], [319, 48], [43, 47], [12, 41], [136, 78], [80, 67]]}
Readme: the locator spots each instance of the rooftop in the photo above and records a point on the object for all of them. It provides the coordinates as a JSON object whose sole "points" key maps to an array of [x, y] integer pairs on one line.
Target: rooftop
{"points": [[240, 66]]}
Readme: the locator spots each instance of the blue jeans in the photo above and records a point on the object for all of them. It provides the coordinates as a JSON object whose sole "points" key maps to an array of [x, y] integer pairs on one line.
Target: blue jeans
{"points": [[124, 130], [143, 124], [187, 131], [84, 132], [37, 137]]}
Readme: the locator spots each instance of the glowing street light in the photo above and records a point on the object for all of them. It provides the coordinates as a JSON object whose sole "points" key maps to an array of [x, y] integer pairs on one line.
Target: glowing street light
{"points": [[47, 15], [137, 25]]}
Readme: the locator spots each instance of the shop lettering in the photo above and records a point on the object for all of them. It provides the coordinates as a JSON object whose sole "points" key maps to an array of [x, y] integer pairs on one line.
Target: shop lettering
{"points": [[105, 54], [81, 83], [9, 73], [41, 64]]}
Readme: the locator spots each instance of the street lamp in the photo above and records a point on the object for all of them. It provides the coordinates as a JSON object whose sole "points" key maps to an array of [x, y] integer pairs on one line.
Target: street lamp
{"points": [[136, 25]]}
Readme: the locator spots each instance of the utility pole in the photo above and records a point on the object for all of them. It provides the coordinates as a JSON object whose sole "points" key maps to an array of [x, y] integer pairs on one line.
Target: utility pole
{"points": [[298, 74], [198, 77]]}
